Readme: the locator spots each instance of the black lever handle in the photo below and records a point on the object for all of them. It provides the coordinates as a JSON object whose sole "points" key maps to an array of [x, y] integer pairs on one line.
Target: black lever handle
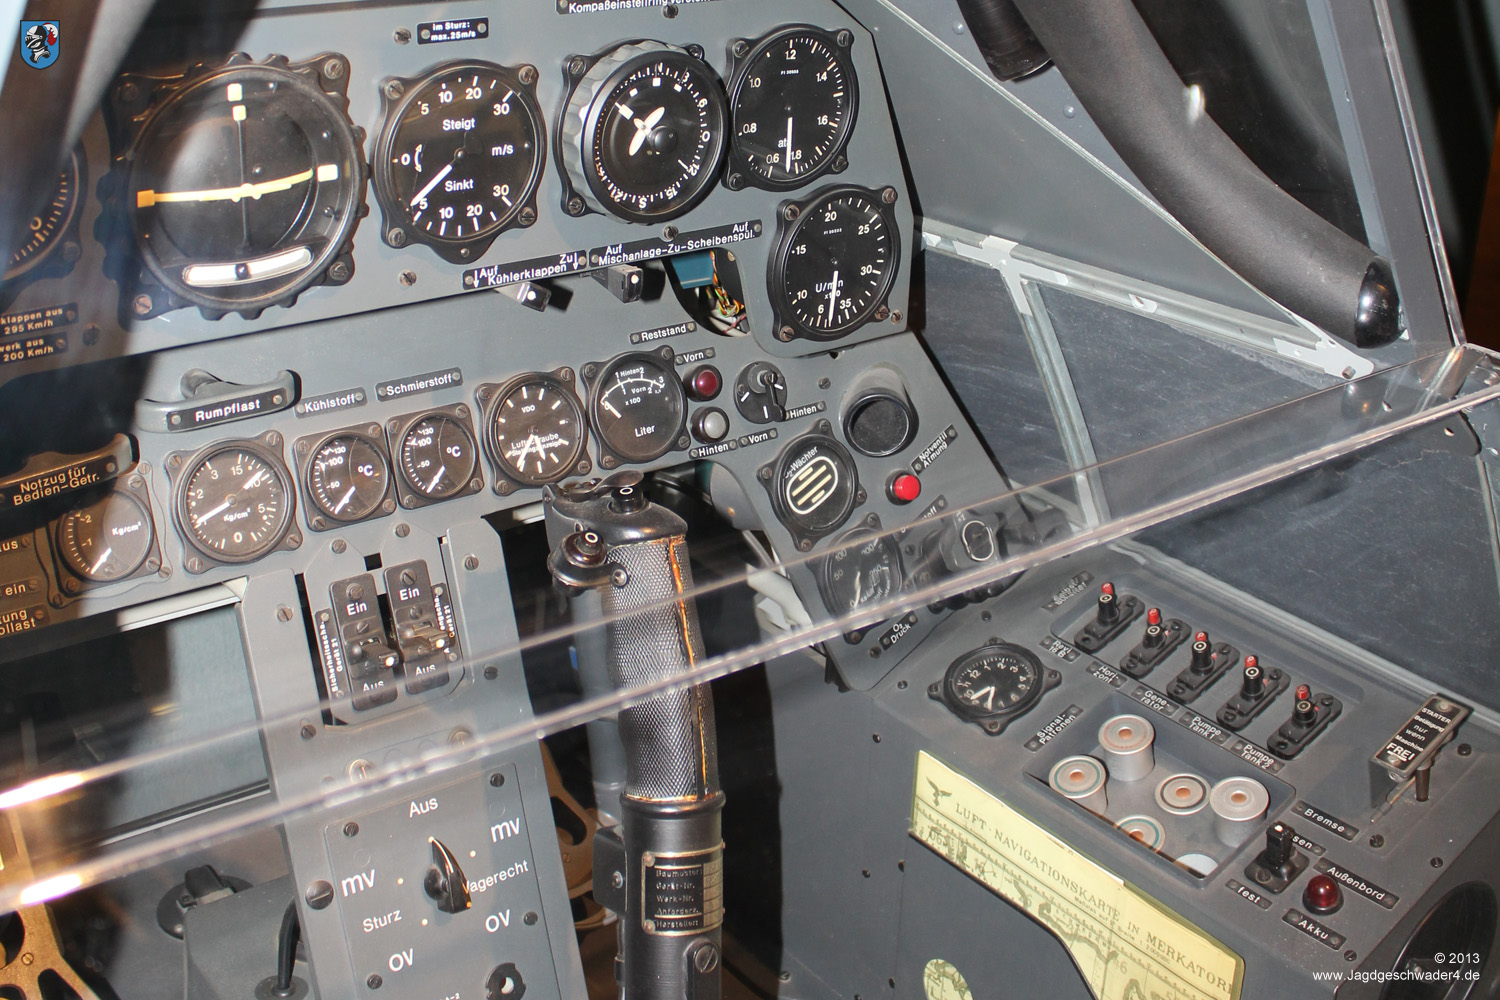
{"points": [[1123, 79]]}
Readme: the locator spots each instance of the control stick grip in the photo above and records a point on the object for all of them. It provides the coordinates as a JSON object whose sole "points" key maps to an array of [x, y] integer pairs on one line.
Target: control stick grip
{"points": [[1159, 127]]}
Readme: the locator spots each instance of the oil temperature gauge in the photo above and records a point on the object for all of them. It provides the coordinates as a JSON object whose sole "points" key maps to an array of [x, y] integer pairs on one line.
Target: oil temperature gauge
{"points": [[107, 540], [639, 407], [437, 457], [993, 685]]}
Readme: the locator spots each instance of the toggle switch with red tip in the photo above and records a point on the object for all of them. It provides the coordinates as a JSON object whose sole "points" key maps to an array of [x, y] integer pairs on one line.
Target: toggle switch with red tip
{"points": [[1208, 661], [903, 488], [1322, 896], [1112, 615], [1203, 654], [1259, 686], [1154, 636], [1311, 714], [1251, 680], [1162, 635]]}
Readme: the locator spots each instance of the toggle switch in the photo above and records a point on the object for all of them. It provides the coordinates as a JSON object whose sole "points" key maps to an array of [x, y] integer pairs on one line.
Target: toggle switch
{"points": [[445, 881], [1112, 614], [1208, 661], [1258, 688], [1160, 638]]}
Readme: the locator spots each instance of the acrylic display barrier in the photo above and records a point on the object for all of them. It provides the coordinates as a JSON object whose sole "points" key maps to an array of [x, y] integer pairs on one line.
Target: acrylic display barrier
{"points": [[919, 560]]}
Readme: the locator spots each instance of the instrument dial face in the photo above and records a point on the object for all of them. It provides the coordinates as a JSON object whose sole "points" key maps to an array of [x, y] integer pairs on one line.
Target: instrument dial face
{"points": [[438, 457], [106, 541], [654, 136], [461, 156], [1000, 679], [835, 264], [864, 568], [793, 105], [244, 186], [46, 229], [235, 504], [536, 430], [639, 407], [348, 478], [816, 485]]}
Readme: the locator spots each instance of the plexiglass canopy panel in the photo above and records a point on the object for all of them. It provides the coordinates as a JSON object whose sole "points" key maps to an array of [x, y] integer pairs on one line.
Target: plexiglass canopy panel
{"points": [[476, 428]]}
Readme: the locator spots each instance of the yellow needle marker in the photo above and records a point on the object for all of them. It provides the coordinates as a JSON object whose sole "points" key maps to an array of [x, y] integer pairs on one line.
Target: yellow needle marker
{"points": [[147, 198]]}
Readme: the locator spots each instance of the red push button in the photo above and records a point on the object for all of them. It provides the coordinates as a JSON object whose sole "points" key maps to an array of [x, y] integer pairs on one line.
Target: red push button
{"points": [[1322, 895], [904, 487], [705, 383]]}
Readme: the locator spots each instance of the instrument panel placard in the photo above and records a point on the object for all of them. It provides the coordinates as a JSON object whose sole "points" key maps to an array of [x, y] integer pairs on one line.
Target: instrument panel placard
{"points": [[1124, 943]]}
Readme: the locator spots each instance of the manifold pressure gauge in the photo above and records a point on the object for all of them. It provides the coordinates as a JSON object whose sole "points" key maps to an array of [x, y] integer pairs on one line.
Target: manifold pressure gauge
{"points": [[107, 540], [834, 262], [644, 131], [242, 183], [792, 105], [993, 685], [460, 157]]}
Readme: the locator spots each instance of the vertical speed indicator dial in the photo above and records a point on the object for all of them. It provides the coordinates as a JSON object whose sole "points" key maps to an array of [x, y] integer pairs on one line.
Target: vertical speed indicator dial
{"points": [[792, 107], [644, 132], [460, 157], [834, 263]]}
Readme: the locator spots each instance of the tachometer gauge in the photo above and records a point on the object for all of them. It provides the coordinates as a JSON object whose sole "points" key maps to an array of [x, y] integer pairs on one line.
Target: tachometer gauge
{"points": [[834, 263], [792, 107], [639, 407], [863, 568], [437, 458], [347, 478], [994, 684], [235, 504], [45, 231], [460, 157], [107, 540], [534, 430], [644, 132], [243, 183]]}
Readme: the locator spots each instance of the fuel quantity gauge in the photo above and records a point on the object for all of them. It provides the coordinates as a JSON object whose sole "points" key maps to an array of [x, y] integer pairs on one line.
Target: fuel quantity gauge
{"points": [[639, 408]]}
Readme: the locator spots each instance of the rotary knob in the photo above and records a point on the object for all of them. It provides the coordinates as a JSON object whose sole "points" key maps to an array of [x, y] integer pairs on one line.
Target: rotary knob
{"points": [[643, 136]]}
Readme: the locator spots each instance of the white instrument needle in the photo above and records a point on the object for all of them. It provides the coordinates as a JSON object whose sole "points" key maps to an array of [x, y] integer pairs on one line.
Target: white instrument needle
{"points": [[100, 561], [347, 497], [448, 169], [251, 483], [433, 485], [788, 159], [198, 521], [643, 127], [833, 294]]}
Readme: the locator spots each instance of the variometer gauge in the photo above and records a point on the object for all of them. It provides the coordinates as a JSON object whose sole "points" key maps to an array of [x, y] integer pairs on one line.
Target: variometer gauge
{"points": [[639, 408], [792, 105], [234, 503], [346, 477], [993, 685], [51, 227], [242, 183], [460, 157], [534, 430], [643, 135], [834, 262], [107, 540], [436, 456]]}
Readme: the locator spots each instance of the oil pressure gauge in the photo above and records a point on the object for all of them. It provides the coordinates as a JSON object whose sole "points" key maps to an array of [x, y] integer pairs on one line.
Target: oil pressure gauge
{"points": [[993, 685], [792, 105], [834, 262], [234, 503]]}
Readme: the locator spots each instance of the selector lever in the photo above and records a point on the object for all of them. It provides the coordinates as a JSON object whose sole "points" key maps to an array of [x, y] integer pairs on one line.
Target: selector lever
{"points": [[445, 880], [1280, 863]]}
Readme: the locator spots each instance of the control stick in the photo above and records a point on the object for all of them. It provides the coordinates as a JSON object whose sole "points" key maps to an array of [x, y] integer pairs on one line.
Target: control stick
{"points": [[662, 868]]}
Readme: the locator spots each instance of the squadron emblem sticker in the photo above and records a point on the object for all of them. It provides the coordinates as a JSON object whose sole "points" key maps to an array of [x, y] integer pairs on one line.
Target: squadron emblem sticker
{"points": [[39, 43]]}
